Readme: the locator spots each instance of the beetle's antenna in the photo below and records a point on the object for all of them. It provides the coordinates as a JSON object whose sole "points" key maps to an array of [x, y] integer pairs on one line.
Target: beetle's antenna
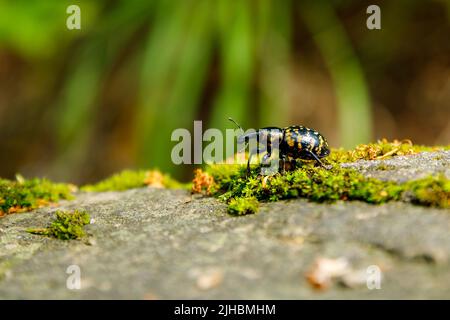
{"points": [[237, 124]]}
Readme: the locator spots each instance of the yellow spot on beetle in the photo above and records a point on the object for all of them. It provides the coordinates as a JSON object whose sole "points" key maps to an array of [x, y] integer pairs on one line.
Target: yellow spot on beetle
{"points": [[291, 142]]}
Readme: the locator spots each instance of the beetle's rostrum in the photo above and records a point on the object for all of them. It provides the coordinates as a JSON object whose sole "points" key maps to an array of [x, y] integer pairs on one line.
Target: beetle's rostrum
{"points": [[294, 142]]}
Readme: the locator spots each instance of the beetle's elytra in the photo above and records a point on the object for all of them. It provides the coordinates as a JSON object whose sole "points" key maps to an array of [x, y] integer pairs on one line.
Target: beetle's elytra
{"points": [[295, 142]]}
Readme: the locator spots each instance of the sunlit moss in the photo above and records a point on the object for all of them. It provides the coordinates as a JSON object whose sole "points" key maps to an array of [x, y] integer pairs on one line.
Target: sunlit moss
{"points": [[23, 195], [130, 179], [382, 149], [243, 206], [231, 184], [66, 226], [431, 191], [310, 182]]}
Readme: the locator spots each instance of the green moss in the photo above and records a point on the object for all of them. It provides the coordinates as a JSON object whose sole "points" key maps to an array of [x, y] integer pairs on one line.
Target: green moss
{"points": [[66, 226], [231, 184], [124, 180], [243, 206], [431, 191], [23, 195], [309, 182], [131, 179], [382, 149]]}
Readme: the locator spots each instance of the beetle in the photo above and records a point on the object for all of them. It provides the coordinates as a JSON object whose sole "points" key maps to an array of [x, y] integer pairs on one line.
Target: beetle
{"points": [[293, 142]]}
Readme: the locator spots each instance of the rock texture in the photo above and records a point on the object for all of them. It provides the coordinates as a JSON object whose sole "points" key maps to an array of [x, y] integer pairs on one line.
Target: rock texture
{"points": [[405, 168], [157, 244]]}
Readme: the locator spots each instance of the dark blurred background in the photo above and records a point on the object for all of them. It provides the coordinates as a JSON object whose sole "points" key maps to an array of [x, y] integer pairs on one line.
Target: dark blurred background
{"points": [[78, 105]]}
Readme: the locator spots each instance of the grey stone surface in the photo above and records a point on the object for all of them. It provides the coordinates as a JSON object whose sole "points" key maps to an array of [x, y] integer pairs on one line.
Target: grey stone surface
{"points": [[154, 243]]}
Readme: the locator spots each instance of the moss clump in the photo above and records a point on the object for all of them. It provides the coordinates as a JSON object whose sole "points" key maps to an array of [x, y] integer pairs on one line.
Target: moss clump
{"points": [[382, 149], [66, 226], [309, 182], [23, 195], [243, 206], [431, 191], [230, 183], [130, 179]]}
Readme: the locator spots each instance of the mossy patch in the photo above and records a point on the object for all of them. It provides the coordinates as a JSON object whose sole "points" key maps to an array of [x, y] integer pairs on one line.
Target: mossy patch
{"points": [[131, 179], [310, 182], [382, 149], [66, 226], [230, 183], [24, 195], [243, 206], [432, 191]]}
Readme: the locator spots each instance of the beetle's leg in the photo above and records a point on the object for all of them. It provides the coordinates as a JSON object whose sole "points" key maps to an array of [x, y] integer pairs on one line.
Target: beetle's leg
{"points": [[293, 163], [265, 158], [257, 151], [248, 163], [268, 148], [252, 152], [317, 159], [282, 163]]}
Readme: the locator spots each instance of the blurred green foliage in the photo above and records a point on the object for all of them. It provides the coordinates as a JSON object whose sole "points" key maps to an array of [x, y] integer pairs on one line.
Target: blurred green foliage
{"points": [[23, 195], [178, 61]]}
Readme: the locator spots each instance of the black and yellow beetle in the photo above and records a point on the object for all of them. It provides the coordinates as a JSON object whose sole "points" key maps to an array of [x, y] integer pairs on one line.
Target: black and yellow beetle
{"points": [[295, 142]]}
